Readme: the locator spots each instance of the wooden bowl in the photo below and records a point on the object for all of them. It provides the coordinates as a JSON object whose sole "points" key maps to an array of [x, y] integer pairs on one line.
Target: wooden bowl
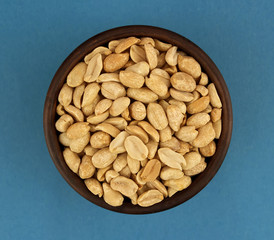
{"points": [[208, 66]]}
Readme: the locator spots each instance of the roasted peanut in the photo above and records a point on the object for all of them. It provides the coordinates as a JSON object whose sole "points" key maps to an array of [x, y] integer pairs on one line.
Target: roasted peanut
{"points": [[208, 150], [189, 65], [94, 186], [72, 160], [76, 75], [137, 110], [112, 197], [86, 169], [65, 95], [124, 185], [64, 122], [171, 158], [103, 158], [115, 61], [157, 116], [214, 97], [136, 148], [95, 66], [150, 198]]}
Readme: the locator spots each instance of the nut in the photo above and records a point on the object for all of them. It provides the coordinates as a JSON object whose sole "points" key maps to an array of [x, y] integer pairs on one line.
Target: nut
{"points": [[189, 65], [115, 61], [90, 93], [63, 123], [192, 159], [156, 116], [141, 68], [137, 54], [89, 150], [198, 120], [60, 110], [126, 43], [75, 113], [203, 79], [102, 106], [152, 132], [101, 173], [138, 132], [77, 95], [161, 46], [142, 94], [175, 117], [172, 56], [183, 82], [214, 97], [108, 128], [131, 79], [208, 150], [118, 122], [86, 169], [150, 198], [64, 140], [202, 90], [93, 119], [77, 130], [165, 134], [100, 140], [205, 136], [72, 160], [180, 104], [101, 50], [88, 110], [113, 90], [94, 68], [145, 40], [136, 148], [152, 147], [117, 144], [125, 172], [181, 96], [173, 144], [94, 186], [137, 110], [76, 76], [151, 55], [108, 77], [120, 162], [216, 114], [196, 170], [110, 174], [178, 184], [198, 105], [124, 185], [133, 164], [217, 128], [187, 133], [151, 170], [103, 158], [156, 184], [112, 197], [171, 158], [118, 106], [78, 144], [168, 173], [65, 95], [157, 85]]}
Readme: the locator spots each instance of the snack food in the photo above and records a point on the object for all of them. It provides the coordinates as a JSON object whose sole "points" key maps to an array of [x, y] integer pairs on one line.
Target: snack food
{"points": [[137, 119]]}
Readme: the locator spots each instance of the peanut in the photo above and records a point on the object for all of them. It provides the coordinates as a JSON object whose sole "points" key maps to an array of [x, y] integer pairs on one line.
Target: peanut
{"points": [[136, 148], [150, 198], [156, 116], [103, 158], [76, 76], [86, 169]]}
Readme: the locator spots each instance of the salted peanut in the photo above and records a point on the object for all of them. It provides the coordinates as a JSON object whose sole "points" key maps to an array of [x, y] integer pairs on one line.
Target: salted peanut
{"points": [[183, 82], [208, 109], [161, 73], [157, 116], [108, 77], [181, 96], [108, 128], [125, 172], [187, 133], [144, 162], [198, 120], [179, 104], [142, 94], [63, 123], [217, 128], [102, 106], [196, 96], [145, 40], [78, 144], [202, 90], [115, 61], [197, 169], [120, 162], [100, 140], [113, 90], [77, 130], [192, 159], [134, 198], [138, 180], [60, 110], [119, 105], [164, 104], [161, 60], [205, 136], [72, 160], [214, 97], [124, 185], [159, 186], [138, 132], [64, 140], [178, 184], [77, 95], [126, 43], [136, 148], [203, 79], [90, 93], [75, 113], [173, 144], [117, 122], [101, 173], [89, 109], [112, 197], [103, 158], [157, 85], [95, 66], [89, 150], [209, 150], [65, 95], [93, 119], [152, 132], [133, 164], [117, 144], [165, 134], [171, 158], [170, 69], [137, 110], [131, 79], [189, 65], [171, 191], [216, 114], [172, 56], [113, 44], [94, 186], [141, 68], [152, 147], [143, 189], [168, 173], [86, 169], [128, 64], [151, 56], [184, 148], [174, 116], [110, 174], [137, 54], [76, 75], [151, 170], [99, 50], [150, 198], [125, 115], [161, 46], [198, 105]]}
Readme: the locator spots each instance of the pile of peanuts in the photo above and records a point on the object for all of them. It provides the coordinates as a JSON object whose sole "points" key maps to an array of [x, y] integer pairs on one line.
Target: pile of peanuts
{"points": [[137, 120]]}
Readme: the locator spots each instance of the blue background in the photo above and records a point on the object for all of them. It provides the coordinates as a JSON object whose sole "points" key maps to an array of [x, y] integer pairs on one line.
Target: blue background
{"points": [[37, 203]]}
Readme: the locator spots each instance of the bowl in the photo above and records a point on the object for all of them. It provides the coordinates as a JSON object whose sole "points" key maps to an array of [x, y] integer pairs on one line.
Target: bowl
{"points": [[208, 66]]}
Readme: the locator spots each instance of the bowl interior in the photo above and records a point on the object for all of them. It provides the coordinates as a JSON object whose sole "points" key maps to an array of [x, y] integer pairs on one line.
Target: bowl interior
{"points": [[208, 66]]}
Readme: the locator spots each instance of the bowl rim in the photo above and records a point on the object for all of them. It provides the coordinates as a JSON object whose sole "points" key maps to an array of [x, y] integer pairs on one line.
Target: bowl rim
{"points": [[184, 44]]}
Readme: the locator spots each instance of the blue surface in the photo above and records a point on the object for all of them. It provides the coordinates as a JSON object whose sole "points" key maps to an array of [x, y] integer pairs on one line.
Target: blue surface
{"points": [[37, 203]]}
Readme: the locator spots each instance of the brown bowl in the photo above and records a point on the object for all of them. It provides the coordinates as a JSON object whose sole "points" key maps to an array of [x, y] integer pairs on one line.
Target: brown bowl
{"points": [[208, 66]]}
